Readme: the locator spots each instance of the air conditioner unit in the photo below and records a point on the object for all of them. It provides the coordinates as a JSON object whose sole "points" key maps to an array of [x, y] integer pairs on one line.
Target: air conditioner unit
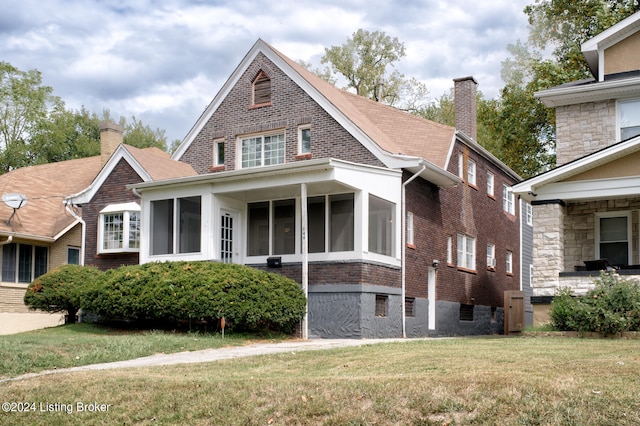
{"points": [[491, 262]]}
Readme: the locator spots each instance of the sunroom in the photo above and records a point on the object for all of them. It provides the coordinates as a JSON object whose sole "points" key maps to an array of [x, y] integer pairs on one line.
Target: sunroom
{"points": [[257, 216]]}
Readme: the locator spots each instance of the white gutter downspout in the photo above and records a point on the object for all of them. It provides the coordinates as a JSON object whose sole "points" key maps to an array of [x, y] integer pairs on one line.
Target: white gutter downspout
{"points": [[404, 246], [83, 232], [7, 241]]}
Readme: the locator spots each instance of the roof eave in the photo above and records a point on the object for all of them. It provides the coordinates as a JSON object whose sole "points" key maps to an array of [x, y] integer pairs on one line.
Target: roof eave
{"points": [[594, 92]]}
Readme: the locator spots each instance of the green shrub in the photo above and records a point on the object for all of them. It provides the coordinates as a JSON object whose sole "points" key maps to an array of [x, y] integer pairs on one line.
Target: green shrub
{"points": [[611, 307], [249, 299], [61, 290]]}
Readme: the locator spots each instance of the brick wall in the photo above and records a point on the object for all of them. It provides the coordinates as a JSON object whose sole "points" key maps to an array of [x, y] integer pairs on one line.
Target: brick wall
{"points": [[350, 272], [58, 252], [12, 300], [290, 107], [584, 128], [440, 213], [112, 191]]}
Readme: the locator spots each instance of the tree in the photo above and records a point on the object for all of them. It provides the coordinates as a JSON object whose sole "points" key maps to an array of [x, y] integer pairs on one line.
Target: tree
{"points": [[141, 136], [24, 103], [366, 60]]}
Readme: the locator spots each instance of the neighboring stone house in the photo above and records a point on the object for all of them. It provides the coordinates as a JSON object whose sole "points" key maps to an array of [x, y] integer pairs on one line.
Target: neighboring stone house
{"points": [[393, 225], [586, 210], [75, 212]]}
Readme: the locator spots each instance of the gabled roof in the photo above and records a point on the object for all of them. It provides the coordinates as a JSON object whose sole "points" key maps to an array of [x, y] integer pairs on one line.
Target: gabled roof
{"points": [[149, 163], [398, 139], [45, 186], [48, 187], [593, 48], [549, 185]]}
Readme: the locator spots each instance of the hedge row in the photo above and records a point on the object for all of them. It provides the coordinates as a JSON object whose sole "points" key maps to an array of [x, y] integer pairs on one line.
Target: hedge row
{"points": [[611, 307], [248, 299]]}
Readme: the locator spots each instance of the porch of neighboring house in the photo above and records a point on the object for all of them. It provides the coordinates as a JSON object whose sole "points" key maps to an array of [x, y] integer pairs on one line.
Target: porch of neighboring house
{"points": [[574, 240]]}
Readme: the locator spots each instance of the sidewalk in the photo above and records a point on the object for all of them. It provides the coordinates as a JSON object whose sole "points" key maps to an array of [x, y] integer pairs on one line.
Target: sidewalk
{"points": [[11, 323], [210, 355]]}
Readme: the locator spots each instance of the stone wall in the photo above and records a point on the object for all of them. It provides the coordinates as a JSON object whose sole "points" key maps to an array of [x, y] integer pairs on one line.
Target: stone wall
{"points": [[548, 247], [584, 128]]}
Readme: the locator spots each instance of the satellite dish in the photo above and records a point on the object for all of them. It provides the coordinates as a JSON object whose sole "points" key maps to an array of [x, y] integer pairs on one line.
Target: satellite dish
{"points": [[15, 201]]}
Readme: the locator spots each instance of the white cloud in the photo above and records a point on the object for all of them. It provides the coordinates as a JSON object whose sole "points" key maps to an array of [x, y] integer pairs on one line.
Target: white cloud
{"points": [[164, 63]]}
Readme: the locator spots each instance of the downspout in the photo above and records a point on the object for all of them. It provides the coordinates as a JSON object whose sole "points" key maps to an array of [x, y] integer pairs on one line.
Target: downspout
{"points": [[83, 230], [403, 247], [7, 241]]}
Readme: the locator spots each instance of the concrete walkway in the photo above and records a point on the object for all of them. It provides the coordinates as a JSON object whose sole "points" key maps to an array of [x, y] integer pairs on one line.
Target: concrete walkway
{"points": [[11, 323], [210, 355]]}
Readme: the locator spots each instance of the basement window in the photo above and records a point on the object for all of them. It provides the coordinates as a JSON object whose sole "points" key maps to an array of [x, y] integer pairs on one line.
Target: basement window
{"points": [[381, 305], [466, 312], [409, 303]]}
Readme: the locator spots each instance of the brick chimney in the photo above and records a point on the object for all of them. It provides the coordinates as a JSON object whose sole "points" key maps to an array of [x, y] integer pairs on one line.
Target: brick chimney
{"points": [[464, 98], [110, 139]]}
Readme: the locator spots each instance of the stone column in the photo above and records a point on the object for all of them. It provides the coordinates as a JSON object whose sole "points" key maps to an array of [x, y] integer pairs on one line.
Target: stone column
{"points": [[548, 247]]}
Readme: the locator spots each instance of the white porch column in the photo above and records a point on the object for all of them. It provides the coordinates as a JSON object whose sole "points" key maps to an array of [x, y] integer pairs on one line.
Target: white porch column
{"points": [[305, 258]]}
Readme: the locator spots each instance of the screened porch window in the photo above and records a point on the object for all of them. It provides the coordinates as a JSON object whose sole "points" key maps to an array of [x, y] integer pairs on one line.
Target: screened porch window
{"points": [[275, 220], [381, 227], [176, 221], [613, 238]]}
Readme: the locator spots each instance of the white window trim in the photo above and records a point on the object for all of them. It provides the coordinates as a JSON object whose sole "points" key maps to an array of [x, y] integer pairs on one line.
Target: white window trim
{"points": [[491, 255], [300, 130], [262, 136], [508, 200], [410, 229], [125, 209], [471, 172], [450, 250], [463, 253], [461, 166], [529, 214], [509, 262], [618, 114], [490, 184], [625, 213], [216, 159]]}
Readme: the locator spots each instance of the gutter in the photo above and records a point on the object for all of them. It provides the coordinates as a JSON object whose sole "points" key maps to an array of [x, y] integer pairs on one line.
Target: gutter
{"points": [[404, 247]]}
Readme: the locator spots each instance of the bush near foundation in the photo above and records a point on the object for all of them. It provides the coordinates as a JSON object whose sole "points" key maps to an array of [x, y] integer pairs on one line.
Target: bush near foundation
{"points": [[248, 299], [613, 306], [62, 289]]}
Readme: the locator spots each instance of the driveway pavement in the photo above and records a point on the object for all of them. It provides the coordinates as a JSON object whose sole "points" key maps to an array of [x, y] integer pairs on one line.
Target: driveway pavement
{"points": [[11, 323], [210, 355]]}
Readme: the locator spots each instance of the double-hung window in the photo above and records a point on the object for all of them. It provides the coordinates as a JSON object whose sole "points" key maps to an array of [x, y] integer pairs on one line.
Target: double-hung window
{"points": [[466, 252], [304, 136], [262, 150], [491, 256], [613, 237], [629, 119], [508, 200], [119, 228], [471, 172], [490, 180]]}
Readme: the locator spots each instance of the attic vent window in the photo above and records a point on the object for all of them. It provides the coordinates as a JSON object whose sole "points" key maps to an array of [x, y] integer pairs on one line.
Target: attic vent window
{"points": [[261, 90]]}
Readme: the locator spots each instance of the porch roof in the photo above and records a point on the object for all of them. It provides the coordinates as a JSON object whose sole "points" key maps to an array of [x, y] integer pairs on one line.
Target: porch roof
{"points": [[298, 172], [569, 181]]}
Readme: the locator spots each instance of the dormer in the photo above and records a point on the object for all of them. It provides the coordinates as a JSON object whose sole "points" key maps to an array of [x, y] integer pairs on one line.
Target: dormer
{"points": [[615, 50]]}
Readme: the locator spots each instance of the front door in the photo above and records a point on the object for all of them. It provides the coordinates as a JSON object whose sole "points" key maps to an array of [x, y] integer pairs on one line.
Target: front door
{"points": [[229, 249]]}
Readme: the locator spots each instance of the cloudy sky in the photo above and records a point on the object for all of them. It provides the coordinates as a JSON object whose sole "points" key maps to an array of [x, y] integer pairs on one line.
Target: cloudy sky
{"points": [[163, 61]]}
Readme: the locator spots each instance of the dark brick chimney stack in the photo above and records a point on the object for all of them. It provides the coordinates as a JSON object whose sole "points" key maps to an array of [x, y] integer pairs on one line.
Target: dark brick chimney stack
{"points": [[464, 98]]}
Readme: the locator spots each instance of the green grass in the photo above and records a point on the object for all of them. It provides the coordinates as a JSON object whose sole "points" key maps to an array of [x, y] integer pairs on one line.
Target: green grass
{"points": [[476, 381], [82, 344]]}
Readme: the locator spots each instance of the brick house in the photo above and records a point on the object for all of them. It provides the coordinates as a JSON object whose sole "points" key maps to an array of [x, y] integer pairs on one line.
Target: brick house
{"points": [[586, 209], [394, 225], [75, 212]]}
